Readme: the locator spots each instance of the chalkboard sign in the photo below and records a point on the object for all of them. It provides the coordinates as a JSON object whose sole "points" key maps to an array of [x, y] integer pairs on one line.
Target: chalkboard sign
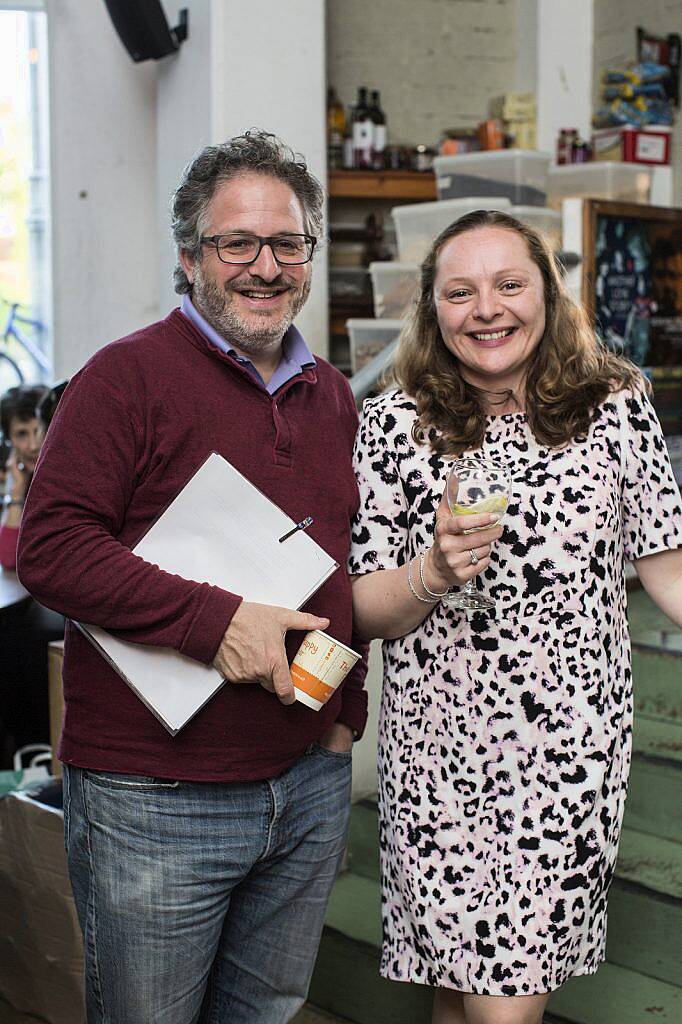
{"points": [[632, 285]]}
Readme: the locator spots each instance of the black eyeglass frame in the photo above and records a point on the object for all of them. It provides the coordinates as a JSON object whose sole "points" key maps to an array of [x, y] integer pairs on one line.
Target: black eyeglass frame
{"points": [[262, 241]]}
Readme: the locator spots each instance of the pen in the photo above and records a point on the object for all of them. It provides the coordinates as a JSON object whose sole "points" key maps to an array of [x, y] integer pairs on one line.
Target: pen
{"points": [[303, 525]]}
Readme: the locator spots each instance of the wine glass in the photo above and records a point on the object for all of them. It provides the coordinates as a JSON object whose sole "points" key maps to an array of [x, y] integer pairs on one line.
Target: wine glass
{"points": [[474, 487]]}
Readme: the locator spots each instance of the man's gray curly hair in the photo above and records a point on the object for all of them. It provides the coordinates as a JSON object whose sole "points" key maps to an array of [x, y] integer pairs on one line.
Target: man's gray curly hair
{"points": [[254, 152]]}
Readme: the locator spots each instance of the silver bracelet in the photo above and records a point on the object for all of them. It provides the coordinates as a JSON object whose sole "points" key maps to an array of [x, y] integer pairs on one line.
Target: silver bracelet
{"points": [[431, 593], [424, 600]]}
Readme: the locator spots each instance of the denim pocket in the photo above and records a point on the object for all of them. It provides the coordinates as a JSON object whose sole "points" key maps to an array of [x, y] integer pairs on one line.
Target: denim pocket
{"points": [[131, 783], [334, 755]]}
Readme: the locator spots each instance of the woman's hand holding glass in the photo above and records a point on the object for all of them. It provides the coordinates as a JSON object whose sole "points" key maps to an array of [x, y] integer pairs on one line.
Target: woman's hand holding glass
{"points": [[475, 487], [449, 562]]}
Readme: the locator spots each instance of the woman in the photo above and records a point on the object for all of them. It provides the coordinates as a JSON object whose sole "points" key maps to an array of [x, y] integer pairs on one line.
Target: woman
{"points": [[505, 735]]}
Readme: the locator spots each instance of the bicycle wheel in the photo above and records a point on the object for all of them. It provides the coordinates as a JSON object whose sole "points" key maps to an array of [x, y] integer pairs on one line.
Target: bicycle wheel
{"points": [[10, 374]]}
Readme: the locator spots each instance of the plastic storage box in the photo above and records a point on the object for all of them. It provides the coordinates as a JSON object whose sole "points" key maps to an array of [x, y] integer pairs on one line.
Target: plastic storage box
{"points": [[518, 174], [542, 219], [394, 286], [368, 338], [601, 179], [417, 224]]}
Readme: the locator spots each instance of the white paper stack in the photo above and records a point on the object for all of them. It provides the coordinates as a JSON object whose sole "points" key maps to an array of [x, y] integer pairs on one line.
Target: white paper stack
{"points": [[224, 531]]}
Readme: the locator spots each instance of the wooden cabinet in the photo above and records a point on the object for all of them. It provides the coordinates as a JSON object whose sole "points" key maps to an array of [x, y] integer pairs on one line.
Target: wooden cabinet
{"points": [[401, 186]]}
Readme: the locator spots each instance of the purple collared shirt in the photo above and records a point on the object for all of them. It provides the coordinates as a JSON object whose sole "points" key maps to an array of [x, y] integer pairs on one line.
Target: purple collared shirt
{"points": [[295, 352]]}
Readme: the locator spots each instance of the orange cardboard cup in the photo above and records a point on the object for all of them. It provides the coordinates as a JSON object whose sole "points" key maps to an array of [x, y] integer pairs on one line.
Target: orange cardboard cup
{"points": [[320, 666]]}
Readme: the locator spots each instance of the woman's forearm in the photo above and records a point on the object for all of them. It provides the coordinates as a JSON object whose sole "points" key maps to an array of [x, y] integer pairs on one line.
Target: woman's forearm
{"points": [[391, 602], [384, 607], [661, 577]]}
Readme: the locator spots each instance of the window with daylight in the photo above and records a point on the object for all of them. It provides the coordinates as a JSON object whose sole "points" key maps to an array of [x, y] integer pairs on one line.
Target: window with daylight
{"points": [[25, 278]]}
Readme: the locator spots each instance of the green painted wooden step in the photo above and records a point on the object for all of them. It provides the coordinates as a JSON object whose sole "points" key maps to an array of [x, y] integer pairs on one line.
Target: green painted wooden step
{"points": [[615, 995], [656, 659], [346, 979], [645, 907], [363, 840], [654, 801], [657, 681]]}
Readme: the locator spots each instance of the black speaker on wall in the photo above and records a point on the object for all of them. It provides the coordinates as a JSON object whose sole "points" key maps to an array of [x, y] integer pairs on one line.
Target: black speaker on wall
{"points": [[143, 29]]}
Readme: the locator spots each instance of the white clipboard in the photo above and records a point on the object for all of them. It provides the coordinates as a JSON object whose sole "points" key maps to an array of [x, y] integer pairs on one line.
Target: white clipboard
{"points": [[221, 530]]}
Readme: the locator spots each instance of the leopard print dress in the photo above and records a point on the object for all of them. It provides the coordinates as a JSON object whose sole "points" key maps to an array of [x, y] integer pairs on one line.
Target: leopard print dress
{"points": [[505, 735]]}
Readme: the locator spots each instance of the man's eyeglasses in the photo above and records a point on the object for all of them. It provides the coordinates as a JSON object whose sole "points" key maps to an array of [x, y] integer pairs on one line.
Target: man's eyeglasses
{"points": [[238, 247]]}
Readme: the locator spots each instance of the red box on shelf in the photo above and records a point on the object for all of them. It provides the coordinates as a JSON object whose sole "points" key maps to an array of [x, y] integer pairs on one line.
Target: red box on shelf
{"points": [[633, 145]]}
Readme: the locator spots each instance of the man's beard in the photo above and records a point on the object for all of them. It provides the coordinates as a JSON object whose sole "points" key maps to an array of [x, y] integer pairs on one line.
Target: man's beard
{"points": [[256, 335]]}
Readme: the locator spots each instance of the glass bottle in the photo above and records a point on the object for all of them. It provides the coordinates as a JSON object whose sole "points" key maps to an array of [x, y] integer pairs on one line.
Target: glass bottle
{"points": [[363, 131], [348, 152], [378, 131], [336, 124]]}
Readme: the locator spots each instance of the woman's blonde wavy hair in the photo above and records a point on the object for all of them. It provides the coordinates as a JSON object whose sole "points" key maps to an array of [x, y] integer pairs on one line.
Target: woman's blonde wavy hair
{"points": [[570, 371]]}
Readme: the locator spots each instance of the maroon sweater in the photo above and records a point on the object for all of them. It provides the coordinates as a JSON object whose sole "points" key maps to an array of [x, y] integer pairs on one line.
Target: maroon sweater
{"points": [[133, 426]]}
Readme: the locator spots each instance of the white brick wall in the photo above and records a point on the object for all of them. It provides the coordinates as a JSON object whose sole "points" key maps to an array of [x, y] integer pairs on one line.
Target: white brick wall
{"points": [[436, 62], [615, 25]]}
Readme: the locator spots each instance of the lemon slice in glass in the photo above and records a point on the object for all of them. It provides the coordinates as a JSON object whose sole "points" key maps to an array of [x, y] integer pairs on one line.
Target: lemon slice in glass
{"points": [[495, 504]]}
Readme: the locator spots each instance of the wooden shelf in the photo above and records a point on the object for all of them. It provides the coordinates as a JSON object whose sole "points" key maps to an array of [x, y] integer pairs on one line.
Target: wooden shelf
{"points": [[411, 186]]}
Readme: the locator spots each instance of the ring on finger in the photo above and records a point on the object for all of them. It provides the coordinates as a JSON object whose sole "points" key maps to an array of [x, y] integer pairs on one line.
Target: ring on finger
{"points": [[473, 556]]}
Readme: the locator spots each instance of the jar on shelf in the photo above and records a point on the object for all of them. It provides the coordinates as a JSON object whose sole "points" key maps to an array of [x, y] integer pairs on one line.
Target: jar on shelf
{"points": [[422, 158]]}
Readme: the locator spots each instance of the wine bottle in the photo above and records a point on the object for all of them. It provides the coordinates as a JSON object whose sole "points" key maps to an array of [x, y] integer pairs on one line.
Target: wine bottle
{"points": [[348, 152], [336, 123], [378, 132], [363, 131]]}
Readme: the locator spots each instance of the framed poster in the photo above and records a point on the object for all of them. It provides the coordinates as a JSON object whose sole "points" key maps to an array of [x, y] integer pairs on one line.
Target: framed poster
{"points": [[632, 286]]}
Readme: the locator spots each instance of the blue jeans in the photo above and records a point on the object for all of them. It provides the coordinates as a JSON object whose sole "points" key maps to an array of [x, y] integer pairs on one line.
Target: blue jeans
{"points": [[203, 903]]}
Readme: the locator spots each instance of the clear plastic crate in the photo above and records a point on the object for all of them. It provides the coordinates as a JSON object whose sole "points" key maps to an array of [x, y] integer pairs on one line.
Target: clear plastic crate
{"points": [[601, 179], [418, 224], [518, 174], [542, 219], [368, 338], [394, 286]]}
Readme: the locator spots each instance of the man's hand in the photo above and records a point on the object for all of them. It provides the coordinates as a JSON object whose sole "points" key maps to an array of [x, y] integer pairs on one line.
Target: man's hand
{"points": [[252, 649], [338, 737]]}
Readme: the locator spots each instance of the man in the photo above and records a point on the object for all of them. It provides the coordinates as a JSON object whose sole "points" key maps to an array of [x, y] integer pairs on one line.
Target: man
{"points": [[202, 863]]}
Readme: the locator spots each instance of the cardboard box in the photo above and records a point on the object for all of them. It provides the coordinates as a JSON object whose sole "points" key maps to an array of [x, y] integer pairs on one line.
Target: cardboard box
{"points": [[41, 950], [55, 658], [633, 145], [523, 134], [514, 106]]}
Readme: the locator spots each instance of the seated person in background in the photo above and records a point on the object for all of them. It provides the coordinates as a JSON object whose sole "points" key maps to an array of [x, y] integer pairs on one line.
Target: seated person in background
{"points": [[23, 430], [28, 627]]}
